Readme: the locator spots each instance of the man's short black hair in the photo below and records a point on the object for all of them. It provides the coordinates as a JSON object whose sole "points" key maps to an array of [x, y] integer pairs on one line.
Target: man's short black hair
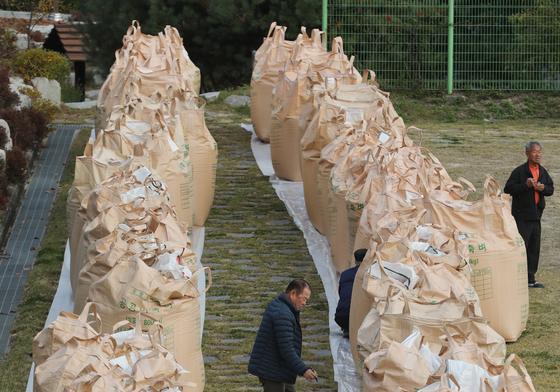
{"points": [[298, 285], [360, 254]]}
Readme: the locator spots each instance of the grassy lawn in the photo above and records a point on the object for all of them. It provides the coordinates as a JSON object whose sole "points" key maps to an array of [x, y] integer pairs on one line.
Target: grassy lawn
{"points": [[472, 134], [42, 283], [68, 115]]}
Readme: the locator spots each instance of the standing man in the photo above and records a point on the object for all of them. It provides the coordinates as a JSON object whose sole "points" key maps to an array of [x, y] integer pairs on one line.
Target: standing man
{"points": [[528, 185], [276, 356], [345, 286]]}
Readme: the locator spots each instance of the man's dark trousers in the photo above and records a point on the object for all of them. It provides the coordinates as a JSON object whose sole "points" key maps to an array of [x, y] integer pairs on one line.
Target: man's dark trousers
{"points": [[272, 386], [530, 230]]}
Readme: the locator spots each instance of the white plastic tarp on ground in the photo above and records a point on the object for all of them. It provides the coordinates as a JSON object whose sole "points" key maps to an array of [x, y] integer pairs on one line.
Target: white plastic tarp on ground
{"points": [[64, 299], [291, 193]]}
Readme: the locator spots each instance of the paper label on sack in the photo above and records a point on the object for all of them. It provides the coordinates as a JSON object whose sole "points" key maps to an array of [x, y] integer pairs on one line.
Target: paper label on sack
{"points": [[118, 162], [424, 232], [133, 194], [150, 245], [463, 236], [383, 137], [170, 264], [126, 363], [398, 271], [172, 144], [470, 376], [354, 115], [409, 196], [432, 359], [123, 227], [414, 339], [124, 336], [426, 248], [330, 83], [141, 174], [139, 126]]}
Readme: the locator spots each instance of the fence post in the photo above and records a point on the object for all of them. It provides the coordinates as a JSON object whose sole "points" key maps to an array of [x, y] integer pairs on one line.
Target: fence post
{"points": [[324, 25], [450, 28]]}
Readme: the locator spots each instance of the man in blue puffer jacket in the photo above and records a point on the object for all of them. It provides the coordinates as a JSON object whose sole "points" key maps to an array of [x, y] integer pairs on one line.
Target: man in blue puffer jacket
{"points": [[276, 356]]}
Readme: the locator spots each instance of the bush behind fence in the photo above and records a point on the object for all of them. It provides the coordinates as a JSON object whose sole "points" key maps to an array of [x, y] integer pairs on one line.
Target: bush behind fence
{"points": [[498, 44]]}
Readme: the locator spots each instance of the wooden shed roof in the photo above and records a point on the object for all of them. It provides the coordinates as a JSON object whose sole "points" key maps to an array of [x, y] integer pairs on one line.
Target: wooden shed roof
{"points": [[72, 41]]}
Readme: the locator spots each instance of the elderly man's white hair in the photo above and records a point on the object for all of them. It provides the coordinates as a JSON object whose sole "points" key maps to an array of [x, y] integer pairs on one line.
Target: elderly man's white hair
{"points": [[529, 146]]}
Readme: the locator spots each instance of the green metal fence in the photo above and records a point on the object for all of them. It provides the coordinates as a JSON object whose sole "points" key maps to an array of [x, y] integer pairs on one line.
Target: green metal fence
{"points": [[452, 45]]}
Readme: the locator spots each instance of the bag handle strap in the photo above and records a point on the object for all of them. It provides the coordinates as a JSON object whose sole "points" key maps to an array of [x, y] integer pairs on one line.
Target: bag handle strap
{"points": [[316, 38], [447, 379], [491, 187], [271, 29], [337, 46], [279, 35], [450, 339], [134, 28], [156, 331], [368, 76], [91, 308], [86, 311], [121, 324], [514, 359]]}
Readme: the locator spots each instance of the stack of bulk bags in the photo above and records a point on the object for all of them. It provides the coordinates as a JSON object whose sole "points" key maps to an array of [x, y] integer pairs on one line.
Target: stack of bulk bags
{"points": [[417, 276], [71, 355], [415, 285], [139, 259], [292, 104], [132, 286], [327, 118], [146, 178], [337, 235], [351, 176], [88, 173], [403, 216], [153, 146], [184, 116], [270, 60], [337, 157], [130, 207], [202, 153], [399, 189], [290, 93], [496, 254], [364, 141], [411, 365], [153, 62], [129, 84]]}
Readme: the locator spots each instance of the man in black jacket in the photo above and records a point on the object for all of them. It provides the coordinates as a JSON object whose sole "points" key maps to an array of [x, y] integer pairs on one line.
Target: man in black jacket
{"points": [[345, 286], [276, 356], [528, 185]]}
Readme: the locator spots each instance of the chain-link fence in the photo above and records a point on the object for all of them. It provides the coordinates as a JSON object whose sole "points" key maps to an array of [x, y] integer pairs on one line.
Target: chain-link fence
{"points": [[459, 45]]}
